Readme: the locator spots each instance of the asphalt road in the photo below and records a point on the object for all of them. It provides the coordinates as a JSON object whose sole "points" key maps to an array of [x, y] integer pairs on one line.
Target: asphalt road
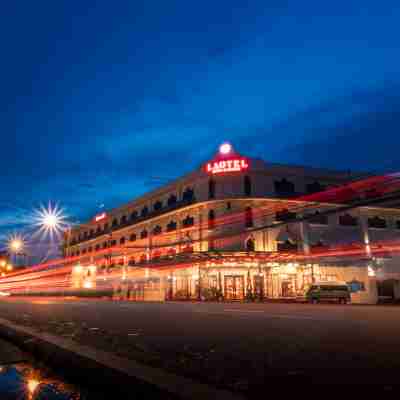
{"points": [[255, 343]]}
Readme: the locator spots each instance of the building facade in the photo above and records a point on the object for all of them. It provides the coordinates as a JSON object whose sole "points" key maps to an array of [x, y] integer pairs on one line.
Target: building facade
{"points": [[235, 228]]}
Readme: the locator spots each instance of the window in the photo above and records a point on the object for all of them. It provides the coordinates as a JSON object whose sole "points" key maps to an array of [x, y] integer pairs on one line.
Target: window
{"points": [[211, 189], [284, 187], [248, 217], [123, 220], [106, 227], [98, 230], [157, 206], [285, 215], [228, 205], [97, 248], [171, 200], [132, 238], [247, 186], [377, 222], [143, 234], [397, 224], [104, 245], [188, 195], [91, 233], [114, 222], [122, 240], [84, 251], [211, 219], [131, 261], [85, 235], [144, 211], [113, 242], [133, 215], [287, 245], [317, 244], [347, 220], [250, 244], [317, 218], [314, 187], [171, 226], [188, 221], [90, 249], [157, 230], [78, 253]]}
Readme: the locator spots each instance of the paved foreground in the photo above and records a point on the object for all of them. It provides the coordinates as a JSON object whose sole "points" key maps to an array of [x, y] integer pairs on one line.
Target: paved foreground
{"points": [[245, 347]]}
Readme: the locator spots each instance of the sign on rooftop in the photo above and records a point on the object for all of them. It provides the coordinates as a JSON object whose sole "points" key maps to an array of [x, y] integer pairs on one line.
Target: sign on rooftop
{"points": [[227, 161]]}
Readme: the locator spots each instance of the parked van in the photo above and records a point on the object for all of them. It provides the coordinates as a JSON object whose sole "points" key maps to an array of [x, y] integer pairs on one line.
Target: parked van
{"points": [[328, 291]]}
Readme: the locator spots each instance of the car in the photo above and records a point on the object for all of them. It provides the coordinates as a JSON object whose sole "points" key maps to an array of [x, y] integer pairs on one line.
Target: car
{"points": [[328, 292]]}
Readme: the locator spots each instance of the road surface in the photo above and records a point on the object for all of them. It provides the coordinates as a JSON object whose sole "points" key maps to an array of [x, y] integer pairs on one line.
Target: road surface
{"points": [[243, 346]]}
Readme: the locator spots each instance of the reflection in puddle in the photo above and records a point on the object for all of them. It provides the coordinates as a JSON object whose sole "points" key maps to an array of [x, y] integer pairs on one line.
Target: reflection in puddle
{"points": [[24, 382]]}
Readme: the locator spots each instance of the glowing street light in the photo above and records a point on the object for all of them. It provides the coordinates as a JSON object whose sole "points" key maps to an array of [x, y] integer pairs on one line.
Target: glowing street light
{"points": [[51, 220], [16, 245]]}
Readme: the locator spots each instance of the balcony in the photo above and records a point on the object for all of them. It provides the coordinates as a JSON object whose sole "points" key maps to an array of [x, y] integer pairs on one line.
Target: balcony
{"points": [[148, 216]]}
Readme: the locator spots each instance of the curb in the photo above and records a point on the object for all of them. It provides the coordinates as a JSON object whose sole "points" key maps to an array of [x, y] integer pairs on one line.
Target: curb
{"points": [[105, 371]]}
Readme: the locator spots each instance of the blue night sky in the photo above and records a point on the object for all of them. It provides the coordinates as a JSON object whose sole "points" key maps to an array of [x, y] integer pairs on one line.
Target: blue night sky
{"points": [[99, 99]]}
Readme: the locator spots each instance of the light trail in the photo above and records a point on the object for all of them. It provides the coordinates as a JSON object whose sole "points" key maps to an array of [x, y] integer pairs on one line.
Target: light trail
{"points": [[56, 274]]}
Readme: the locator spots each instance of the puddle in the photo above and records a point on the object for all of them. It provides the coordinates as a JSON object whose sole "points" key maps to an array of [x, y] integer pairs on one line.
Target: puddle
{"points": [[23, 381]]}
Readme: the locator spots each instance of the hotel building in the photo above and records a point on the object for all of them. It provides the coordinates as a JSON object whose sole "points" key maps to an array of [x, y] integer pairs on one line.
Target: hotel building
{"points": [[236, 228]]}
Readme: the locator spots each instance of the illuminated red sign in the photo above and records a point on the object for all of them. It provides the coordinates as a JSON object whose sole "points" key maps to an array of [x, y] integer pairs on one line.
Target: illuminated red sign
{"points": [[100, 217], [228, 165]]}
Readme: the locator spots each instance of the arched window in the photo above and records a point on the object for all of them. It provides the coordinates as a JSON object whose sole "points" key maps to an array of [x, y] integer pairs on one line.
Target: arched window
{"points": [[172, 200], [247, 186], [188, 195], [132, 238], [157, 206], [314, 187], [211, 188], [187, 222], [133, 215], [144, 212], [347, 220], [122, 240], [248, 217], [250, 244], [157, 230], [114, 222], [171, 226], [285, 215], [84, 251], [284, 187], [143, 234], [106, 227], [131, 261], [377, 222], [123, 220], [211, 219]]}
